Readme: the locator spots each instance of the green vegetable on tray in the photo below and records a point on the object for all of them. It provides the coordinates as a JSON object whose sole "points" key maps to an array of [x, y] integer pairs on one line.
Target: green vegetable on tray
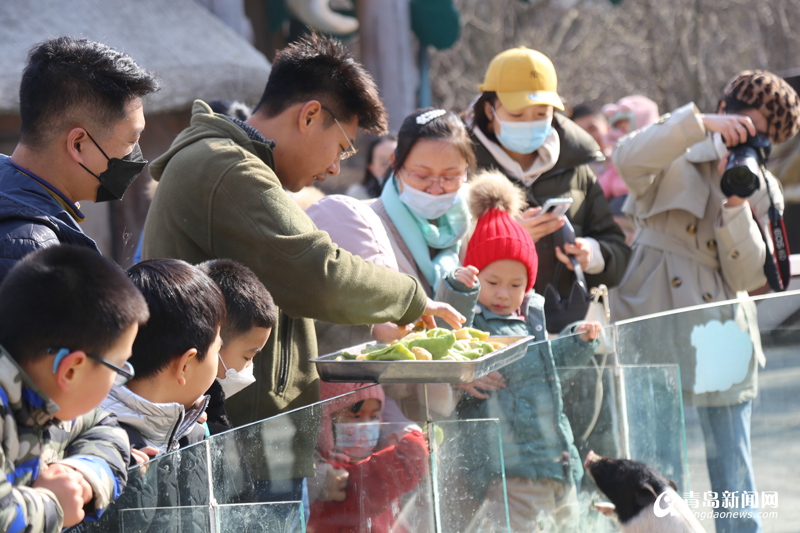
{"points": [[395, 352], [438, 344]]}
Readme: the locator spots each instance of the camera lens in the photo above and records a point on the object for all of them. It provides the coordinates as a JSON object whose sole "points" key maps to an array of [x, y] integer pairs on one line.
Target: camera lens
{"points": [[739, 180], [744, 167]]}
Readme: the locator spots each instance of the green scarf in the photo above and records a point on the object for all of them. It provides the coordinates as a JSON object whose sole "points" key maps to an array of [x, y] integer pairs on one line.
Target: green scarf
{"points": [[420, 235]]}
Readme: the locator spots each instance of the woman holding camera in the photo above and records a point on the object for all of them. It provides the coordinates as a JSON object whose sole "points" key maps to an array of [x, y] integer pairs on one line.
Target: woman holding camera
{"points": [[697, 242], [693, 244]]}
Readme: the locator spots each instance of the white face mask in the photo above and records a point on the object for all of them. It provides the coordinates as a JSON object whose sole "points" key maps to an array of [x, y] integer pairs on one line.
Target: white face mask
{"points": [[426, 205], [235, 380], [356, 439]]}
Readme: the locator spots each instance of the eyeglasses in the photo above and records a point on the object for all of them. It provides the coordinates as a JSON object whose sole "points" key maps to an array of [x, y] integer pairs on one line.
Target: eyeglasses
{"points": [[124, 374], [349, 152], [423, 181]]}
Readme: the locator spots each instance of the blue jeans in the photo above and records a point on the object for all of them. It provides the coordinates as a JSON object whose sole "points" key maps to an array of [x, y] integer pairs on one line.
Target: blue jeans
{"points": [[730, 466]]}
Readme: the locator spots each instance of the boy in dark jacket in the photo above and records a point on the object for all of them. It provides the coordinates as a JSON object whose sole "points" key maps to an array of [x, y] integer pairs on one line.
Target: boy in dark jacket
{"points": [[63, 459], [176, 353], [251, 317]]}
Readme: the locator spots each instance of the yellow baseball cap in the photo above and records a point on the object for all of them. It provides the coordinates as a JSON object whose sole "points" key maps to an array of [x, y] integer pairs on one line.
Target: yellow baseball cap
{"points": [[522, 77]]}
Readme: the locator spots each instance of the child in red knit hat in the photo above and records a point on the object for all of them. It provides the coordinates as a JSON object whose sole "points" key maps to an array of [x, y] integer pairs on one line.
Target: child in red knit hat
{"points": [[377, 480], [542, 466]]}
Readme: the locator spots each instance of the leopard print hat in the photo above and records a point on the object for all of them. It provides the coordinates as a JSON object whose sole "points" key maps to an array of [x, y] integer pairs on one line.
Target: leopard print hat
{"points": [[773, 97]]}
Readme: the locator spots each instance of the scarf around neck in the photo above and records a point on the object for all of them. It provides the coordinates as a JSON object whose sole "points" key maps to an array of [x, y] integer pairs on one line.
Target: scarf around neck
{"points": [[420, 235]]}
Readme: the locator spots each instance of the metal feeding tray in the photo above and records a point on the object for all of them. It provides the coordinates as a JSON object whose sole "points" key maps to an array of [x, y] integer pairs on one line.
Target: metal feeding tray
{"points": [[349, 371]]}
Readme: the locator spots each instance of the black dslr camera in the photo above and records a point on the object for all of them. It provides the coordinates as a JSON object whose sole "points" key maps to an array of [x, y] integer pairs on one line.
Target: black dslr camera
{"points": [[744, 166]]}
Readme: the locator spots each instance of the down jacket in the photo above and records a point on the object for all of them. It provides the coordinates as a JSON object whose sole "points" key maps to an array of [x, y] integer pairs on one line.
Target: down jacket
{"points": [[31, 218], [171, 480]]}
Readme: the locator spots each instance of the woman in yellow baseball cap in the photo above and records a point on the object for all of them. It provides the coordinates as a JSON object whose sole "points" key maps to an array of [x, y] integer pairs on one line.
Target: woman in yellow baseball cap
{"points": [[516, 130]]}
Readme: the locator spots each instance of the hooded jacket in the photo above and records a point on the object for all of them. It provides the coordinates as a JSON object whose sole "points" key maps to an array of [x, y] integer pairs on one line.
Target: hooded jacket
{"points": [[160, 425], [589, 214], [374, 489], [93, 444], [219, 197], [31, 219]]}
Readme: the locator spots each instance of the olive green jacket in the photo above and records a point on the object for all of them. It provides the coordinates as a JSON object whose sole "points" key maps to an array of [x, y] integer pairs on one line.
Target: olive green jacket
{"points": [[219, 197], [590, 215]]}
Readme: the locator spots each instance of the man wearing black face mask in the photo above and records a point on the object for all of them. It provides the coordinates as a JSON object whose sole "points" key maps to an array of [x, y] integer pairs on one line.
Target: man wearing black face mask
{"points": [[81, 111]]}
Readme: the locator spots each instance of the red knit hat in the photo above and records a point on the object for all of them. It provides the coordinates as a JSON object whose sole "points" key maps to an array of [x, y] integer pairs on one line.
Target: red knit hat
{"points": [[498, 236]]}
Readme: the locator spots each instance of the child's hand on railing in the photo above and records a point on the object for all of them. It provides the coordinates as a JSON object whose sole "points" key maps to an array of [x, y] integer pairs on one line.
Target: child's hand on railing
{"points": [[589, 331]]}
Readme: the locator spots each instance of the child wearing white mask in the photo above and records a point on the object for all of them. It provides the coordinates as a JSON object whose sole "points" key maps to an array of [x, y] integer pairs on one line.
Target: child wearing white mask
{"points": [[251, 317], [349, 435]]}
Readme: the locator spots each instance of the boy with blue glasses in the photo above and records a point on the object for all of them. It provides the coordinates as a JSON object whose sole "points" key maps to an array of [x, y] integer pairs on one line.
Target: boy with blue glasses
{"points": [[68, 318]]}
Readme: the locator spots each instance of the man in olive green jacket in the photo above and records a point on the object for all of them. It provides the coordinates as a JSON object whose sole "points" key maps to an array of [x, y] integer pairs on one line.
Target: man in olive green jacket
{"points": [[223, 194]]}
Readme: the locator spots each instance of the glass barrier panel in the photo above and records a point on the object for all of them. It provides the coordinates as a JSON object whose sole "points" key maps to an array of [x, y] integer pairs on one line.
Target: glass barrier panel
{"points": [[284, 517], [632, 411], [727, 393], [265, 461], [177, 479], [468, 476], [379, 469], [161, 519]]}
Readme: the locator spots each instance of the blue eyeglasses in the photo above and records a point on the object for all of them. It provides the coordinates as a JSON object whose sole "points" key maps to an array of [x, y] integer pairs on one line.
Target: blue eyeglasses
{"points": [[124, 374]]}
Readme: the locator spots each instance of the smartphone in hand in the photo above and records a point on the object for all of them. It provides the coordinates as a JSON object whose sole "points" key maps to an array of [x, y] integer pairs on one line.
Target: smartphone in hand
{"points": [[557, 206]]}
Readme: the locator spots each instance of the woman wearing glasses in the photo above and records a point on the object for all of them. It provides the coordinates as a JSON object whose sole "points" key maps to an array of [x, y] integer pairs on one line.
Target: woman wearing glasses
{"points": [[423, 208], [422, 205]]}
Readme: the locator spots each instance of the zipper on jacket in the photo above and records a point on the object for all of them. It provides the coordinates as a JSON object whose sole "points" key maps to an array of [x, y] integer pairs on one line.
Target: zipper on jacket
{"points": [[171, 441], [283, 369]]}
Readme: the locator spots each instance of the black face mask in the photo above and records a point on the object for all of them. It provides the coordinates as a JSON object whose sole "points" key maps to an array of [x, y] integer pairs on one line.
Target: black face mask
{"points": [[119, 175]]}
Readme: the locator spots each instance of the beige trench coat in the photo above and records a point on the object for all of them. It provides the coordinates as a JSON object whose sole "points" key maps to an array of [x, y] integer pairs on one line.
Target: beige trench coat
{"points": [[683, 253]]}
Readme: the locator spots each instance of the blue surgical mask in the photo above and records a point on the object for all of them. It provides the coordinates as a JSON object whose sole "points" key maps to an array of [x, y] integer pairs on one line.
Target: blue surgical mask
{"points": [[524, 137], [356, 439], [426, 205]]}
